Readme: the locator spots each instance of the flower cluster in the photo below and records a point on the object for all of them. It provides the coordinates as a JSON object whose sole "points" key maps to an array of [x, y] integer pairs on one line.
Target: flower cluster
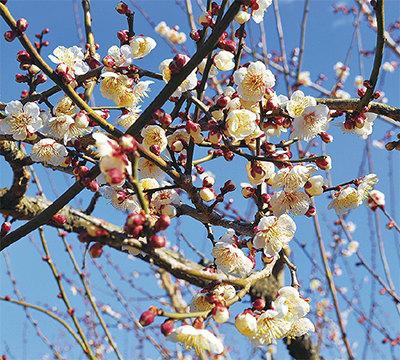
{"points": [[284, 319], [173, 34]]}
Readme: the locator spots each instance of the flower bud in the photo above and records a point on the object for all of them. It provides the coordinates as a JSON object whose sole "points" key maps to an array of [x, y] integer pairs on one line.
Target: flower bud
{"points": [[228, 186], [41, 78], [208, 181], [23, 57], [246, 323], [96, 250], [177, 146], [119, 197], [10, 35], [194, 35], [205, 19], [5, 228], [259, 304], [123, 36], [122, 8], [167, 327], [214, 136], [108, 61], [19, 78], [326, 138], [229, 155], [128, 144], [207, 194], [324, 164], [228, 45], [311, 211], [162, 223], [157, 241], [215, 8], [94, 186], [82, 120], [220, 314], [248, 192], [158, 114], [22, 25], [62, 69], [59, 219], [242, 17], [148, 316], [33, 69], [114, 176]]}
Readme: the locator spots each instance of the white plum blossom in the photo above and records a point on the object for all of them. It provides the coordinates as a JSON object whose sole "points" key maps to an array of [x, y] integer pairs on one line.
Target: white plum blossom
{"points": [[364, 131], [258, 14], [295, 202], [49, 151], [128, 118], [173, 34], [298, 102], [199, 302], [294, 178], [223, 60], [241, 123], [312, 121], [315, 185], [21, 120], [229, 258], [198, 339], [141, 46], [350, 198], [213, 70], [123, 56], [154, 135], [124, 203], [376, 198], [150, 170], [188, 84], [342, 71], [259, 171], [72, 57], [273, 233], [252, 81]]}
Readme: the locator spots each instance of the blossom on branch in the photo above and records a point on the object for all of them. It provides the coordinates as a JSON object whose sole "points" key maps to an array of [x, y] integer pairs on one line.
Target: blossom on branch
{"points": [[72, 57], [21, 120], [49, 151], [141, 46]]}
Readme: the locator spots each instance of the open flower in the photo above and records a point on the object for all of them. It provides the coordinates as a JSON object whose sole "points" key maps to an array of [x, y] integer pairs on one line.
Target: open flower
{"points": [[241, 123], [273, 233], [229, 258], [270, 327], [253, 81], [298, 102], [154, 135], [300, 327], [294, 178], [128, 118], [289, 302], [198, 339], [21, 120], [72, 57], [283, 202], [257, 12], [141, 46], [150, 170], [123, 56], [188, 84], [350, 198], [312, 121], [49, 151]]}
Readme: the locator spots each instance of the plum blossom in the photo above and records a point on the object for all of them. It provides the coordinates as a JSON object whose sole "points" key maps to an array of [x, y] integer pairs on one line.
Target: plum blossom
{"points": [[154, 135], [342, 72], [128, 118], [375, 199], [173, 34], [312, 121], [141, 46], [253, 81], [120, 200], [246, 323], [165, 201], [213, 70], [223, 60], [200, 303], [72, 57], [63, 124], [365, 130], [198, 339], [188, 84], [315, 185], [49, 151], [241, 123], [300, 327], [257, 12], [290, 302], [259, 171], [113, 85], [229, 258], [21, 120], [283, 202], [294, 178], [150, 170], [123, 56], [298, 102], [273, 233], [350, 198]]}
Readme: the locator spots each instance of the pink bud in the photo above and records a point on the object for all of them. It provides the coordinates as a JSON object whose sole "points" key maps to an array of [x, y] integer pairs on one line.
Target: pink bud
{"points": [[23, 57], [162, 223], [155, 149], [96, 250], [324, 164], [5, 228], [94, 186], [59, 219], [326, 138], [158, 114], [41, 78], [228, 186], [259, 304], [311, 211], [228, 45], [128, 144], [205, 19], [229, 155], [266, 198], [10, 35], [157, 241], [114, 176], [148, 316], [22, 25], [248, 192], [19, 78], [194, 35], [167, 327], [123, 36], [208, 181], [122, 8]]}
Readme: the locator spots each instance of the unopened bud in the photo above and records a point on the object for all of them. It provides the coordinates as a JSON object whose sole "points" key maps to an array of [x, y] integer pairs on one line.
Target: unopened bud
{"points": [[108, 61], [208, 181], [207, 194], [326, 138], [162, 223], [22, 25], [259, 304], [248, 192], [157, 241], [167, 327], [10, 35], [148, 316], [5, 228], [122, 8], [96, 250], [220, 314]]}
